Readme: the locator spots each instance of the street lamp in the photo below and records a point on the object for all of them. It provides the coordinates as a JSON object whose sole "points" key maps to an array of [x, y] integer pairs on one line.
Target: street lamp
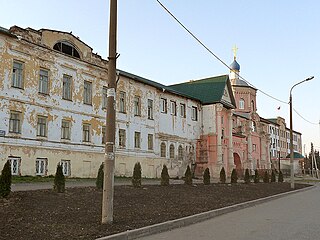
{"points": [[291, 134]]}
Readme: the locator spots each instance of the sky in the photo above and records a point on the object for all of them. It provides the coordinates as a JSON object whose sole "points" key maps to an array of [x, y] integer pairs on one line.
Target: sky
{"points": [[278, 44]]}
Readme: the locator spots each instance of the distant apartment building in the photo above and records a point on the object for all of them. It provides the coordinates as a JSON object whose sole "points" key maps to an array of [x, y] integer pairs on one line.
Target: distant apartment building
{"points": [[53, 111]]}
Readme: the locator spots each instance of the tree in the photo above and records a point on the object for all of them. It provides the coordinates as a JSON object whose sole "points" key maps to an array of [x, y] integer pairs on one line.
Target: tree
{"points": [[100, 177], [188, 176], [273, 176], [247, 176], [5, 180], [164, 176], [59, 180], [234, 176], [223, 175], [206, 177], [136, 178], [266, 177], [280, 178], [256, 176]]}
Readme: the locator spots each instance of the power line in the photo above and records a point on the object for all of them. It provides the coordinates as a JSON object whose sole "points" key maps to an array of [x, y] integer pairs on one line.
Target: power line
{"points": [[220, 60]]}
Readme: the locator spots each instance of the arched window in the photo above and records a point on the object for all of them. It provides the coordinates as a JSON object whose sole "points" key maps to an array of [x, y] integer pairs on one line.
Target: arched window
{"points": [[241, 103], [180, 153], [171, 151], [163, 150], [254, 126], [66, 48]]}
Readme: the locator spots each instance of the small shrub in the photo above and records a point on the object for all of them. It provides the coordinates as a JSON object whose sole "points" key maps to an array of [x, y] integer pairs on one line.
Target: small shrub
{"points": [[280, 178], [234, 176], [266, 177], [206, 177], [223, 175], [164, 176], [136, 178], [256, 176], [5, 180], [273, 176], [247, 176], [188, 176], [100, 177], [59, 180]]}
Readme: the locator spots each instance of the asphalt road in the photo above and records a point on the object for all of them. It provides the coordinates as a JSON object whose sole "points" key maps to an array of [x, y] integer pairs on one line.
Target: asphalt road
{"points": [[294, 217]]}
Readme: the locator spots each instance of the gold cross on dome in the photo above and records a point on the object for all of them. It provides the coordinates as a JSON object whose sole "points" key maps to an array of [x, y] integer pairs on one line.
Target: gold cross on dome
{"points": [[235, 50]]}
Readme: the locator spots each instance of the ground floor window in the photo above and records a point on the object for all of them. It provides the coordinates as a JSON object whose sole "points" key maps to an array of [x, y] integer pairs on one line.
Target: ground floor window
{"points": [[15, 163], [41, 166], [66, 167]]}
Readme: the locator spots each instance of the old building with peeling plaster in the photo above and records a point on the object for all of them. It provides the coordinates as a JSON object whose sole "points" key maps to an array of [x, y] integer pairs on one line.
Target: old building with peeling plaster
{"points": [[52, 111]]}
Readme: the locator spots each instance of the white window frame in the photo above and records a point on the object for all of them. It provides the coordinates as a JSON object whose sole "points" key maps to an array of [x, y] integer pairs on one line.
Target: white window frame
{"points": [[104, 97], [42, 126], [171, 151], [182, 110], [164, 105], [122, 138], [241, 103], [163, 150], [17, 74], [173, 108], [150, 109], [150, 141], [86, 132], [65, 129], [44, 81], [15, 163], [122, 102], [87, 92], [194, 113], [15, 122], [41, 166], [137, 139], [66, 167], [137, 105], [66, 87]]}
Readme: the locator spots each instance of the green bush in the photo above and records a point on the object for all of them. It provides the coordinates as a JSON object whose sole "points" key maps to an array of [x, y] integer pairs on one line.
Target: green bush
{"points": [[280, 178], [223, 175], [234, 176], [206, 177], [273, 176], [136, 178], [188, 176], [100, 177], [247, 176], [266, 177], [256, 176], [164, 176], [59, 180], [5, 180]]}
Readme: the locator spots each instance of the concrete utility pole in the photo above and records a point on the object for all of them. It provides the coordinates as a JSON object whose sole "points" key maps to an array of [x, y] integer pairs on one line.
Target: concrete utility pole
{"points": [[109, 159]]}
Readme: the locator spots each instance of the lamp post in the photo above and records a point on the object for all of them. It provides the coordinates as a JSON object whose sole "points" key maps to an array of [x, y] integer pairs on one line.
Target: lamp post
{"points": [[291, 134]]}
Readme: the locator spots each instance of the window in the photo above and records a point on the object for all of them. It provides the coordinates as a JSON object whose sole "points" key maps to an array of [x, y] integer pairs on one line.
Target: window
{"points": [[163, 150], [241, 104], [66, 88], [87, 92], [65, 129], [222, 119], [15, 122], [15, 163], [43, 81], [86, 132], [66, 167], [150, 109], [137, 139], [194, 113], [104, 97], [103, 132], [164, 105], [42, 126], [253, 126], [173, 108], [171, 151], [254, 147], [182, 110], [17, 75], [122, 137], [41, 166], [122, 102], [67, 48], [136, 101], [252, 106], [180, 153], [150, 141]]}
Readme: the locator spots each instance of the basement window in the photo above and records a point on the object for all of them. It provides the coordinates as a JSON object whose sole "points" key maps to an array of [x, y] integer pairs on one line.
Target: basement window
{"points": [[66, 48]]}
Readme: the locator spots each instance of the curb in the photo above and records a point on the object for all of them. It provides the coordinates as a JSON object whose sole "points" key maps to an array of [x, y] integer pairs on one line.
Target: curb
{"points": [[185, 221]]}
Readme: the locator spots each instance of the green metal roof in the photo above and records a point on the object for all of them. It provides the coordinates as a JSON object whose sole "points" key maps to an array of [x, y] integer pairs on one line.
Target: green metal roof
{"points": [[296, 155], [208, 90]]}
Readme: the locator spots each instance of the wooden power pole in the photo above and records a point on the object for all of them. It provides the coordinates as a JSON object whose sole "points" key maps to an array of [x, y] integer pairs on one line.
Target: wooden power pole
{"points": [[109, 159]]}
